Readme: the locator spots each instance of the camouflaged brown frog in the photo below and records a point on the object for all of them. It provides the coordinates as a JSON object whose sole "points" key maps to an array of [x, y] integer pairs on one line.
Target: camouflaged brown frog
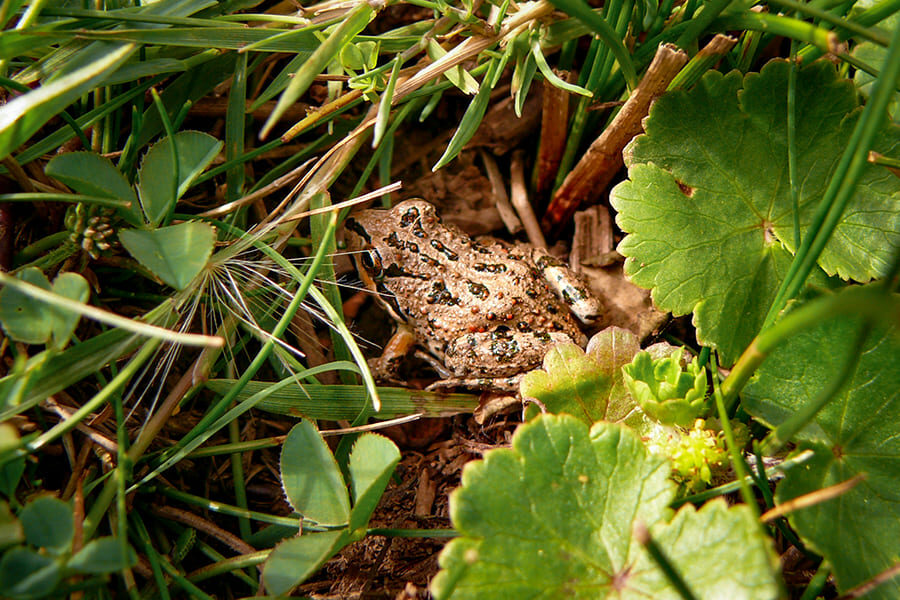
{"points": [[485, 310]]}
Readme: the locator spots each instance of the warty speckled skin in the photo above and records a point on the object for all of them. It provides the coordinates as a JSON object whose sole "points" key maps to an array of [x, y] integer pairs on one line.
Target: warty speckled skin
{"points": [[483, 307]]}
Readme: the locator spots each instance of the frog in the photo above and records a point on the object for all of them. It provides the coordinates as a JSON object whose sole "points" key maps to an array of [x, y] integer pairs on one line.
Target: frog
{"points": [[484, 310]]}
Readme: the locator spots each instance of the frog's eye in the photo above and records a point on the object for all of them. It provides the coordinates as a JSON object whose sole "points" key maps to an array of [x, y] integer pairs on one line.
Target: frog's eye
{"points": [[371, 261]]}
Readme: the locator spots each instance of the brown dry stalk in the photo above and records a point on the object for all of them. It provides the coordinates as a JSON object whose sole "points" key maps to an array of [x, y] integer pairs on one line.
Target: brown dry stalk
{"points": [[520, 200], [602, 161], [200, 524], [554, 131], [813, 498]]}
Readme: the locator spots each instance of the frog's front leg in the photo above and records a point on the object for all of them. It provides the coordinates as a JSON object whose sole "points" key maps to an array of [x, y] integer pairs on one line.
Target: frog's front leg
{"points": [[401, 344], [568, 286]]}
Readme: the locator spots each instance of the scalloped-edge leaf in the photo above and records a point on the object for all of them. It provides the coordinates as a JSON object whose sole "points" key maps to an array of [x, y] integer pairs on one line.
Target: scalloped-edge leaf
{"points": [[588, 384], [552, 517], [176, 254], [707, 207], [311, 477], [158, 191], [855, 434], [372, 461]]}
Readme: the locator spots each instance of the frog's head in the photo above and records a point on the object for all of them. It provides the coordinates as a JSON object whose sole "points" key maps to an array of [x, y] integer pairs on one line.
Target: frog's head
{"points": [[381, 242]]}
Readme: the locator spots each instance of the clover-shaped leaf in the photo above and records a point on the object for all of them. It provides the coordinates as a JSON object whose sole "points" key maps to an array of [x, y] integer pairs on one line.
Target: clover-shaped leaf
{"points": [[175, 254], [707, 206], [587, 384], [35, 322], [157, 186], [552, 517], [94, 175], [311, 477], [315, 488], [856, 433]]}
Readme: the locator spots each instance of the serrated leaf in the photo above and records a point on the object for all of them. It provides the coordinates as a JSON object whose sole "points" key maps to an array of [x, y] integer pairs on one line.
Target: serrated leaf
{"points": [[873, 55], [295, 559], [311, 477], [856, 433], [372, 461], [26, 574], [103, 555], [175, 254], [667, 391], [94, 175], [587, 384], [48, 523], [158, 191], [707, 207], [570, 382], [552, 518]]}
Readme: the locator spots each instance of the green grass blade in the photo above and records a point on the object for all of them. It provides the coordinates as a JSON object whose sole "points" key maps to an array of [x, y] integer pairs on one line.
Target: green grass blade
{"points": [[21, 117], [471, 119], [581, 11], [356, 20], [346, 402]]}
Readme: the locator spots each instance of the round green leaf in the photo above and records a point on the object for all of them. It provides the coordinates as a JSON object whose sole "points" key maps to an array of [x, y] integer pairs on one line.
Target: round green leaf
{"points": [[11, 532], [103, 555], [23, 319], [855, 434], [311, 477], [552, 517], [175, 254], [26, 574], [295, 559], [35, 322], [74, 287], [48, 523], [94, 175], [707, 206]]}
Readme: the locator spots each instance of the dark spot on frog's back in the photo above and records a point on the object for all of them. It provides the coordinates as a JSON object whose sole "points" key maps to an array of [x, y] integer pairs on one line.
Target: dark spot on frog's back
{"points": [[440, 247], [394, 270], [478, 290], [489, 267], [439, 294], [503, 346], [409, 217]]}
